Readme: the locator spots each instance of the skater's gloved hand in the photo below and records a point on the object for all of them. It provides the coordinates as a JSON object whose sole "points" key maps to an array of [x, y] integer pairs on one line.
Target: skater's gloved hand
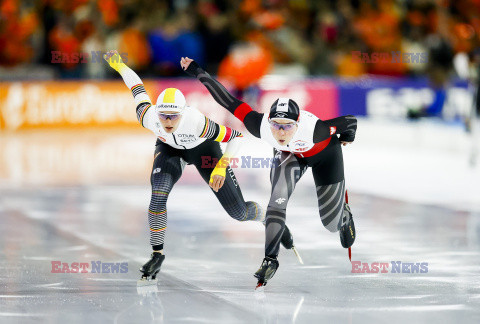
{"points": [[190, 66], [114, 60], [347, 138], [217, 178], [216, 182]]}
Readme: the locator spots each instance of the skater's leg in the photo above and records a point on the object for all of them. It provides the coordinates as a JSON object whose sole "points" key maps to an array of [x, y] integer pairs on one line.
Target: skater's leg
{"points": [[167, 169], [284, 175], [231, 198], [330, 184], [331, 200], [229, 195]]}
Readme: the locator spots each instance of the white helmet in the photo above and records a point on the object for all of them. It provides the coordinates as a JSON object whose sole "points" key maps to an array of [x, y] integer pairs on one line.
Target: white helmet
{"points": [[171, 99]]}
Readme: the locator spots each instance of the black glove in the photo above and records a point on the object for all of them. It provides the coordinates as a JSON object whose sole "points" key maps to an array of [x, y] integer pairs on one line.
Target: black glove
{"points": [[194, 69], [348, 136]]}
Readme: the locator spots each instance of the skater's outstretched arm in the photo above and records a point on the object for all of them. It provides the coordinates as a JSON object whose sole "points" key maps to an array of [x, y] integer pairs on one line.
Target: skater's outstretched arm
{"points": [[135, 84], [250, 118], [345, 126], [219, 133]]}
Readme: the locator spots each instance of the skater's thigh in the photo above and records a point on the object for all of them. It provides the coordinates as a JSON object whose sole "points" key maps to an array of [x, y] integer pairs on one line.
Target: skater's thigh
{"points": [[330, 186], [167, 165], [285, 173], [329, 169]]}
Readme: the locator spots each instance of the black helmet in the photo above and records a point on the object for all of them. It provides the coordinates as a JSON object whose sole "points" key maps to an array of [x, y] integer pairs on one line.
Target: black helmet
{"points": [[284, 108]]}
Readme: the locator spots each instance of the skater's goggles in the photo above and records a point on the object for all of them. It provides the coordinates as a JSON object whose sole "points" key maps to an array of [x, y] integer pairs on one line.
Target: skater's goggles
{"points": [[172, 117], [278, 126]]}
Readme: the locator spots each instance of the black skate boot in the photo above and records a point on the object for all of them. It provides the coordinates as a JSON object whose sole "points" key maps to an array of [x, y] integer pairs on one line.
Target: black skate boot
{"points": [[347, 230], [150, 270], [267, 270], [287, 242]]}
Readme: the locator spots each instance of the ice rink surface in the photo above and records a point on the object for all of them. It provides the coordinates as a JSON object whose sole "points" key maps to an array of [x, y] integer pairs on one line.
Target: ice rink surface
{"points": [[82, 197]]}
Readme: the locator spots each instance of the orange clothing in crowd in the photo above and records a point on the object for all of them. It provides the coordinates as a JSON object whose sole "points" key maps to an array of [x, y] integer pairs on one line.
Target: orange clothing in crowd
{"points": [[346, 67], [134, 43], [15, 32], [64, 41], [109, 10], [244, 66]]}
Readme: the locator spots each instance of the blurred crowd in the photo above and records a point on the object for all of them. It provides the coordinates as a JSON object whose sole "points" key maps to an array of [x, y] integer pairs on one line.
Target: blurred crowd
{"points": [[244, 38]]}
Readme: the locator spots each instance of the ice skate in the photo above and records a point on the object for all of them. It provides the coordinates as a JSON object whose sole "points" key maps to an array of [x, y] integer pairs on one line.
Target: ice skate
{"points": [[150, 270], [287, 242], [266, 272], [347, 230]]}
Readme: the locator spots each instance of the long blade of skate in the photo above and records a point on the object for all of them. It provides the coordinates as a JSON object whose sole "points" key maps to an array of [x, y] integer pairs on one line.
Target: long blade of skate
{"points": [[350, 253], [297, 255]]}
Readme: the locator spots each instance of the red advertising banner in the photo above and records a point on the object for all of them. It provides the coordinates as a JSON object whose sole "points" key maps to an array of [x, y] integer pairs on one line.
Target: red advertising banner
{"points": [[27, 105]]}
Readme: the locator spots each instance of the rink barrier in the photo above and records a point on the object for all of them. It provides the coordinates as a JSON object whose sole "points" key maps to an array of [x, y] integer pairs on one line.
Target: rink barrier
{"points": [[68, 104]]}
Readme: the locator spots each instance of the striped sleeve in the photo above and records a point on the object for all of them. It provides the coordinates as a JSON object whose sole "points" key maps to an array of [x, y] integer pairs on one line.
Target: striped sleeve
{"points": [[218, 133], [135, 84], [139, 93], [140, 96], [250, 118], [142, 109], [138, 89]]}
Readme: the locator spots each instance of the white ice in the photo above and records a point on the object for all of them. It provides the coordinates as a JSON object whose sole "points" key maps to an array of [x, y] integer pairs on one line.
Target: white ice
{"points": [[82, 197]]}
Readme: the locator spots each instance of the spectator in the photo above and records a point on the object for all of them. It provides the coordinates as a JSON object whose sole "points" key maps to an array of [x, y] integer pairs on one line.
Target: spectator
{"points": [[316, 37]]}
